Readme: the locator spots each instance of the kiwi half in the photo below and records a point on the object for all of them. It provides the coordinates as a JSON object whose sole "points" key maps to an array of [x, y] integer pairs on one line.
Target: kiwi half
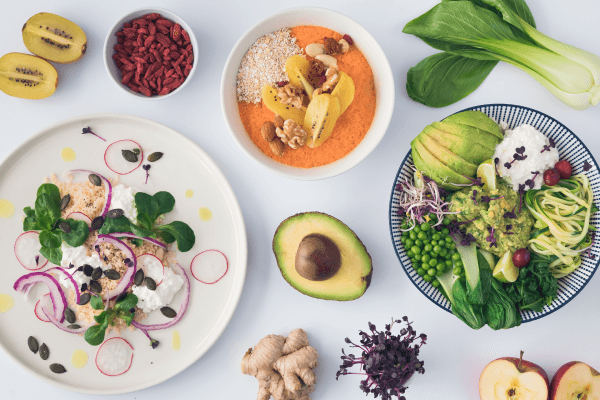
{"points": [[54, 38], [27, 76]]}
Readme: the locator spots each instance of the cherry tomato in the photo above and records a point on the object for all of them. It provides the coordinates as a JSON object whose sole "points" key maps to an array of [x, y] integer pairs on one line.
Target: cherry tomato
{"points": [[521, 258], [551, 177], [564, 169]]}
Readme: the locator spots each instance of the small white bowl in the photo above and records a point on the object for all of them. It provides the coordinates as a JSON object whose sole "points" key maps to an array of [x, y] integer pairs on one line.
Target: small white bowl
{"points": [[111, 41], [384, 87]]}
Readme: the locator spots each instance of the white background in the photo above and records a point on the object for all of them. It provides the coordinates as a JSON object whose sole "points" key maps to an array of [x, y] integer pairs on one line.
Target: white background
{"points": [[454, 355]]}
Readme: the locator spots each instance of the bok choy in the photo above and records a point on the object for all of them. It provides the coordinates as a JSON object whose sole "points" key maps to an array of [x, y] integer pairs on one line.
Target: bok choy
{"points": [[476, 34]]}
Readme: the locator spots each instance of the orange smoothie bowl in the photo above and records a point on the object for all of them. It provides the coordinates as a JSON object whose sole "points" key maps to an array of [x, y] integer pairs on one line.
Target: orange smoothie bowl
{"points": [[326, 132]]}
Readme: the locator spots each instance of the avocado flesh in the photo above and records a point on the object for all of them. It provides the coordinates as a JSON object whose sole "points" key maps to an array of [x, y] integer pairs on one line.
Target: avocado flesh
{"points": [[471, 133], [477, 119], [446, 156], [467, 149], [435, 169], [354, 276]]}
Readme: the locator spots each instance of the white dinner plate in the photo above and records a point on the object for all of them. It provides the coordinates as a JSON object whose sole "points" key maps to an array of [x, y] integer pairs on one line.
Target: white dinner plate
{"points": [[183, 167]]}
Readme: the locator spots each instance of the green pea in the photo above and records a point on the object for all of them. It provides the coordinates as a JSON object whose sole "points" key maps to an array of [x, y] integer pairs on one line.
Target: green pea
{"points": [[444, 252], [437, 236], [459, 263], [425, 266], [428, 247], [409, 243], [422, 236], [457, 271], [431, 271], [433, 262], [440, 273], [452, 244], [427, 278], [437, 249], [425, 226], [448, 239], [448, 263], [421, 271], [415, 249], [445, 231], [434, 242], [425, 258], [419, 243], [441, 267], [435, 283], [417, 228], [410, 254], [446, 221], [413, 235], [455, 256], [418, 257]]}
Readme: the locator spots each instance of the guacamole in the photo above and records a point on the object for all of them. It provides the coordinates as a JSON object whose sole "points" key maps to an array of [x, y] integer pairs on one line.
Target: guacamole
{"points": [[487, 217]]}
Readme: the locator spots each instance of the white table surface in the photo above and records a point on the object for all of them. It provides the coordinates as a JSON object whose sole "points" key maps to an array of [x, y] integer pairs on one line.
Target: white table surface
{"points": [[454, 355]]}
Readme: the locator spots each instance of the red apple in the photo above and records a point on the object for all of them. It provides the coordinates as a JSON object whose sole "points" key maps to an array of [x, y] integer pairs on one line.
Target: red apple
{"points": [[510, 378], [575, 381]]}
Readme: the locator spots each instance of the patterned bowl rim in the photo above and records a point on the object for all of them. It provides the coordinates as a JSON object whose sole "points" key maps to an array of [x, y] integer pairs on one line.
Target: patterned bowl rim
{"points": [[559, 124]]}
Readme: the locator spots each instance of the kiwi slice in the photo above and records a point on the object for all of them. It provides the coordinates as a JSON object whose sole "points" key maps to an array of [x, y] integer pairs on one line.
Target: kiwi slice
{"points": [[27, 76], [54, 38]]}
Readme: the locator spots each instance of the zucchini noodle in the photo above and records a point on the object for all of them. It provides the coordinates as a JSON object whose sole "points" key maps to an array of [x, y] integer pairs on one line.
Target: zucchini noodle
{"points": [[562, 213]]}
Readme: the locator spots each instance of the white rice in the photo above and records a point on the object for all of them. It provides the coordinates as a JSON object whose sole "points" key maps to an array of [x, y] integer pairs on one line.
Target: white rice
{"points": [[536, 161]]}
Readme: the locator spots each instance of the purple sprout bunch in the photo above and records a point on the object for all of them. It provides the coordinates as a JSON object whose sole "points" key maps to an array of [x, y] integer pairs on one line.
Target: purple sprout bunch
{"points": [[388, 361]]}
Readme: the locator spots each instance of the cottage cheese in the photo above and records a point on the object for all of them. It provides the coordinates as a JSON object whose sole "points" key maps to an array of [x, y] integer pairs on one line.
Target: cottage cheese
{"points": [[78, 257], [150, 300], [536, 161], [123, 197]]}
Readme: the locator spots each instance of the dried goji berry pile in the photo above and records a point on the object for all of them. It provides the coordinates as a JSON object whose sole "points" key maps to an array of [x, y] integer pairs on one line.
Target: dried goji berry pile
{"points": [[155, 55]]}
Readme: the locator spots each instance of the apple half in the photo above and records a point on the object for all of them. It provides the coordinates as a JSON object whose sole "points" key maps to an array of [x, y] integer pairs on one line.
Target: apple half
{"points": [[511, 378], [575, 381]]}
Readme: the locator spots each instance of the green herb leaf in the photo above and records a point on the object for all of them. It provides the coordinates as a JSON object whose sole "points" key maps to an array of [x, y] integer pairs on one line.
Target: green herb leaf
{"points": [[182, 232], [536, 285], [51, 190], [94, 335], [167, 237], [166, 202], [127, 317], [30, 222], [144, 220], [50, 239], [52, 255], [79, 233], [46, 211], [127, 303], [97, 304], [470, 314], [148, 205], [121, 224], [102, 317]]}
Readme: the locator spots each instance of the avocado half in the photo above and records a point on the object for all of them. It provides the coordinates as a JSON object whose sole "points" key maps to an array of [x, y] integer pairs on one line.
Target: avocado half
{"points": [[349, 282]]}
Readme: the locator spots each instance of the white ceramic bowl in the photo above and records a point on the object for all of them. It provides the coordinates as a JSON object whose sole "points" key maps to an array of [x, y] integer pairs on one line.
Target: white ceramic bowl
{"points": [[384, 87], [111, 41]]}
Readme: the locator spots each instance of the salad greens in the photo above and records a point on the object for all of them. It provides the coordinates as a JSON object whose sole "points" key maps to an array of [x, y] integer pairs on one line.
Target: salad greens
{"points": [[94, 335], [46, 218], [536, 285], [476, 34]]}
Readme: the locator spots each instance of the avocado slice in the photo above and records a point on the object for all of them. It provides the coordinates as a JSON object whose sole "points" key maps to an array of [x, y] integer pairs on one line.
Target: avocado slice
{"points": [[421, 165], [445, 155], [467, 149], [477, 119], [354, 275], [436, 169], [471, 133]]}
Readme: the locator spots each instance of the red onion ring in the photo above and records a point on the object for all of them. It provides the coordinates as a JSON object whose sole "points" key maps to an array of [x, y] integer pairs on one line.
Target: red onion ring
{"points": [[59, 301], [107, 192], [134, 236], [70, 277], [182, 307], [60, 325], [127, 279]]}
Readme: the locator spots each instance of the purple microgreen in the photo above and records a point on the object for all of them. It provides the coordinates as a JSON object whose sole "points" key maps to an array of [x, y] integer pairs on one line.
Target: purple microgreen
{"points": [[87, 129], [507, 165], [548, 147], [153, 342], [487, 199], [491, 239], [387, 360], [520, 150], [586, 166], [509, 227], [467, 239], [520, 192], [474, 197], [37, 260], [147, 169], [496, 160], [510, 214], [552, 142]]}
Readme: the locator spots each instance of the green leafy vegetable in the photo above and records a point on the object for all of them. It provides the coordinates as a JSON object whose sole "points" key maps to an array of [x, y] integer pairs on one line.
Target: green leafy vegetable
{"points": [[50, 239], [79, 233], [51, 190], [97, 303], [181, 232], [489, 31], [127, 303], [536, 285], [47, 211], [52, 255], [94, 335]]}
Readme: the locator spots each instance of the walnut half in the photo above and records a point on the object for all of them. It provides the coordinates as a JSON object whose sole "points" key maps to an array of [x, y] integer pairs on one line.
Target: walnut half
{"points": [[292, 134], [290, 95]]}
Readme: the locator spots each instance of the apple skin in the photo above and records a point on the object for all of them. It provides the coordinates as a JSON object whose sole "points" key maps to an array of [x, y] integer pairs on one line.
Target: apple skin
{"points": [[527, 366], [561, 372]]}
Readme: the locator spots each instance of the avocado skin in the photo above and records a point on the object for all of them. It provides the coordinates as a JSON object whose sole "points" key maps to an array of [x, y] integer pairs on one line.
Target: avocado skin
{"points": [[358, 243]]}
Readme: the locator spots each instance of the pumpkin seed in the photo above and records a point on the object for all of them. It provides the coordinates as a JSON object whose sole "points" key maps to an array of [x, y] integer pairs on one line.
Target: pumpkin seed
{"points": [[112, 274], [136, 151], [33, 344], [168, 312], [97, 274], [44, 351], [129, 155], [116, 213], [150, 283], [70, 316], [97, 223], [84, 299], [95, 287], [64, 202], [139, 277], [88, 270], [121, 297], [155, 156], [64, 226], [95, 179], [74, 326], [57, 368]]}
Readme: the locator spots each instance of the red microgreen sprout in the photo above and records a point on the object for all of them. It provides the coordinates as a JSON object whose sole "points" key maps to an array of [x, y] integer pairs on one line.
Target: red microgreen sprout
{"points": [[531, 182], [508, 228], [487, 199], [586, 166], [518, 156], [474, 197], [87, 129], [491, 238], [552, 145], [153, 342], [463, 238], [387, 361], [147, 169]]}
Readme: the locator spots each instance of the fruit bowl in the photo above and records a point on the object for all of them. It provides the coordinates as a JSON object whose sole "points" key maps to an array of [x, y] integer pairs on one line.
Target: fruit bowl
{"points": [[111, 41], [384, 86], [570, 148]]}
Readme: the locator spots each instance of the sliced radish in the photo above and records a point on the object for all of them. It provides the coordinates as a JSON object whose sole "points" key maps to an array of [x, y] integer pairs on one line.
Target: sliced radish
{"points": [[45, 300], [27, 251], [209, 266], [79, 216], [152, 266], [114, 357], [113, 157], [57, 295]]}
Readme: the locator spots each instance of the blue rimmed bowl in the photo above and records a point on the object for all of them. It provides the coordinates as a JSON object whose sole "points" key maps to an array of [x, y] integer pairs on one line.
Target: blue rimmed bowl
{"points": [[570, 148]]}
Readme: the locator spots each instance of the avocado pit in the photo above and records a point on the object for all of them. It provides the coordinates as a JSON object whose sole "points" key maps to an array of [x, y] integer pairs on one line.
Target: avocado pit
{"points": [[318, 258]]}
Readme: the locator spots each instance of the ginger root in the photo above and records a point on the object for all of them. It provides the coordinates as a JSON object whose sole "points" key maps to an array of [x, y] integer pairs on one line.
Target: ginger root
{"points": [[283, 366]]}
